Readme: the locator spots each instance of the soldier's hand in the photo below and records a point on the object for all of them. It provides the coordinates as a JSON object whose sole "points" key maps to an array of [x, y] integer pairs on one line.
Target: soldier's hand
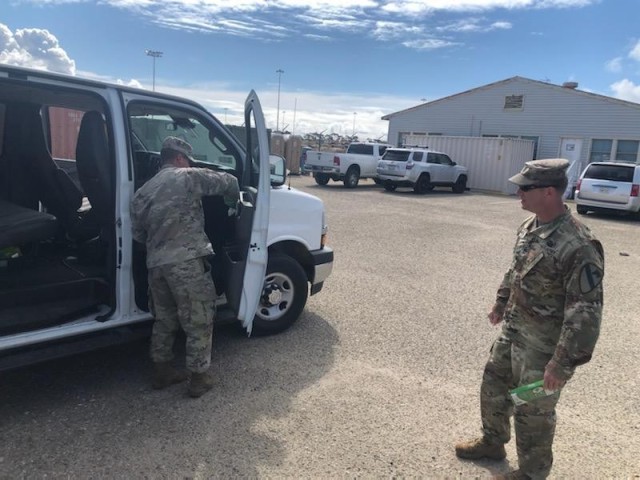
{"points": [[495, 315], [551, 381]]}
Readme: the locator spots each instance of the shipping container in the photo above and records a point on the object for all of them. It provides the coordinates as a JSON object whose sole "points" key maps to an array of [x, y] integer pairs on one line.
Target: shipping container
{"points": [[490, 161], [293, 152]]}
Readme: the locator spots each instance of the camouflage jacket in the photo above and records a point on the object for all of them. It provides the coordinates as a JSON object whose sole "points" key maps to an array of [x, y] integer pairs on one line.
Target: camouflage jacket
{"points": [[552, 294], [167, 215]]}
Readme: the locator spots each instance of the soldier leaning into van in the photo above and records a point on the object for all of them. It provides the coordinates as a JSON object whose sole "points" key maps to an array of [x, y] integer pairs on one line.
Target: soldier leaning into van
{"points": [[550, 302], [167, 215]]}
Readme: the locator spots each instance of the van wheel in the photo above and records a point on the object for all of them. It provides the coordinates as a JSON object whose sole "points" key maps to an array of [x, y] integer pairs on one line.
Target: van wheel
{"points": [[352, 177], [423, 185], [321, 178], [284, 295], [581, 209], [461, 185], [390, 187]]}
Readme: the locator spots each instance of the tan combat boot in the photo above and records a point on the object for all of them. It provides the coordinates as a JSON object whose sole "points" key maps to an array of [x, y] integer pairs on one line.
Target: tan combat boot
{"points": [[200, 384], [165, 374], [480, 448]]}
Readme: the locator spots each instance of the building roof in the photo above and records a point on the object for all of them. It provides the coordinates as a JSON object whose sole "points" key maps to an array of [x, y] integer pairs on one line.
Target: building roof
{"points": [[519, 79]]}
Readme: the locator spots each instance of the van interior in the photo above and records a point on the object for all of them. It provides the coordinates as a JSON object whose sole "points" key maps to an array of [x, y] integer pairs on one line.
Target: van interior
{"points": [[59, 253]]}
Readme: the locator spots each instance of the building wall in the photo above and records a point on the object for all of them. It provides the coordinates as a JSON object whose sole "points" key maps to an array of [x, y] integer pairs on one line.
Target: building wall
{"points": [[549, 112]]}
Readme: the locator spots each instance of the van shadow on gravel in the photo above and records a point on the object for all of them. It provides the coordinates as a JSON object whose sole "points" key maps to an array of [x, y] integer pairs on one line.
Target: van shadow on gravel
{"points": [[95, 415]]}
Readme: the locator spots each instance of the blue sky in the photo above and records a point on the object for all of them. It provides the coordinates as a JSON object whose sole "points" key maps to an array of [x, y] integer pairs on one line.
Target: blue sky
{"points": [[344, 61]]}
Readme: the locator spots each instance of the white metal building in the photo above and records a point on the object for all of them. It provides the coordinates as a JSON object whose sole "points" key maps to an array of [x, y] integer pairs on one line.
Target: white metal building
{"points": [[561, 120]]}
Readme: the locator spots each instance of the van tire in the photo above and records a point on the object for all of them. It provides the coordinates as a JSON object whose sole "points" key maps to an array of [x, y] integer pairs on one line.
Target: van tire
{"points": [[352, 177], [283, 298], [390, 187], [581, 209], [461, 184], [321, 178], [423, 185]]}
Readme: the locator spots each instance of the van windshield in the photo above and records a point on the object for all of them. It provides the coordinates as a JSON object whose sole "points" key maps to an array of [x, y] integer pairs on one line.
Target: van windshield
{"points": [[615, 173]]}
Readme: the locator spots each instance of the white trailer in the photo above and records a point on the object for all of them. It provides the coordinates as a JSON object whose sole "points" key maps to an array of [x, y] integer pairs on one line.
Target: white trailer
{"points": [[490, 160]]}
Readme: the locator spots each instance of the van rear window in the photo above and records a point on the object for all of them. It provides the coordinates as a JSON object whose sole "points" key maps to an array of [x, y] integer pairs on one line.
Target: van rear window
{"points": [[615, 173]]}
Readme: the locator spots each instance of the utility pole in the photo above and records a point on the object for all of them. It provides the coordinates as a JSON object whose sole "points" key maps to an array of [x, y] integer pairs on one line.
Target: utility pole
{"points": [[154, 54], [279, 72]]}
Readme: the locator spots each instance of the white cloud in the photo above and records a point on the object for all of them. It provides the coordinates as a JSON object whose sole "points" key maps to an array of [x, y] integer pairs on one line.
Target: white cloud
{"points": [[614, 65], [473, 25], [626, 90], [428, 44], [35, 48], [390, 30], [635, 52]]}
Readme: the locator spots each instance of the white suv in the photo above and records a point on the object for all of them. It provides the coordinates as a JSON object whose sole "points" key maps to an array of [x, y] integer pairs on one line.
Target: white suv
{"points": [[608, 186], [420, 169]]}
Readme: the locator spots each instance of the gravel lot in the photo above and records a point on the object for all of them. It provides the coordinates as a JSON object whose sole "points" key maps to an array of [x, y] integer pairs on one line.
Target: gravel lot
{"points": [[378, 379]]}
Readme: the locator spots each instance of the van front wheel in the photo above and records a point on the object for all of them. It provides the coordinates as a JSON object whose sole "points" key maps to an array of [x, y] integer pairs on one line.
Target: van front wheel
{"points": [[283, 297]]}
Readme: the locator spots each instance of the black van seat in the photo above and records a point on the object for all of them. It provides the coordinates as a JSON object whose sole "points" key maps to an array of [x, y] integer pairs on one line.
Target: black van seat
{"points": [[20, 225]]}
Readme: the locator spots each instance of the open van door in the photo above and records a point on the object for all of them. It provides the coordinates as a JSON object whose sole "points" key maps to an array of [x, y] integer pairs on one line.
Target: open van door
{"points": [[255, 192]]}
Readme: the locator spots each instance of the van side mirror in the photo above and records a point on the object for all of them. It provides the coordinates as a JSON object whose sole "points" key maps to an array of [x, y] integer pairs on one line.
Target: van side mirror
{"points": [[278, 170]]}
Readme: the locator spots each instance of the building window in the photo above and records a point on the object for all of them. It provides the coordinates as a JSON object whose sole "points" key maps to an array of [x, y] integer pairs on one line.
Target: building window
{"points": [[627, 151], [401, 138], [513, 102], [600, 150]]}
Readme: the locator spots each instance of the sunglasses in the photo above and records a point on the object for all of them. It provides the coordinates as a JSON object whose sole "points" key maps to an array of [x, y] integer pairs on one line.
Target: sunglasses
{"points": [[526, 188]]}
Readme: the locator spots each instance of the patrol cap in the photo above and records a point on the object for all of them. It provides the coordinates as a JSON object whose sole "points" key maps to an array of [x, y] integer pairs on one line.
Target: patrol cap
{"points": [[178, 145], [548, 172]]}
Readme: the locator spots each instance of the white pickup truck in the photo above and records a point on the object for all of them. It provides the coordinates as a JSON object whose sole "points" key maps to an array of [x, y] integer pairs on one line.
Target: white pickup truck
{"points": [[359, 161]]}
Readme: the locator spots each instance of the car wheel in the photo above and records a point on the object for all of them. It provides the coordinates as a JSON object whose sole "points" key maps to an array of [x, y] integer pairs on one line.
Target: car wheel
{"points": [[352, 177], [284, 295], [581, 209], [390, 187], [321, 178], [461, 185], [423, 185]]}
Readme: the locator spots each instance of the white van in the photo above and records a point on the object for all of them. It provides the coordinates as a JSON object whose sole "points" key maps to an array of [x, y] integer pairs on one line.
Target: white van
{"points": [[72, 154]]}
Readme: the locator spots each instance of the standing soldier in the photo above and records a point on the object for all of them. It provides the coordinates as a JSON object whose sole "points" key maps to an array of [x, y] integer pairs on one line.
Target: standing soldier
{"points": [[551, 304], [167, 216]]}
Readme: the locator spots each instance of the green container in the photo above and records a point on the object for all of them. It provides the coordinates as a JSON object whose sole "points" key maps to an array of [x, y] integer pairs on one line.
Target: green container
{"points": [[530, 392]]}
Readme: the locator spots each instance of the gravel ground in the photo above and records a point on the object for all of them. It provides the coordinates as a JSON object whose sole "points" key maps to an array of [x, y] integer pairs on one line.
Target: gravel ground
{"points": [[379, 377]]}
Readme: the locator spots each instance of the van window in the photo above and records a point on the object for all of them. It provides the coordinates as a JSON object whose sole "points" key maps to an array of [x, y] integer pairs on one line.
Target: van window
{"points": [[64, 125], [616, 173], [417, 156], [151, 124]]}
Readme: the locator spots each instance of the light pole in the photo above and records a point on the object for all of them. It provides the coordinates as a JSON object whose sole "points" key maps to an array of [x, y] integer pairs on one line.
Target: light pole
{"points": [[353, 134], [279, 72], [154, 54]]}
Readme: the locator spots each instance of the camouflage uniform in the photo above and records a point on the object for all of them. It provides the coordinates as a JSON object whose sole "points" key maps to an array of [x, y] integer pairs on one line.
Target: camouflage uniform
{"points": [[551, 301], [167, 215]]}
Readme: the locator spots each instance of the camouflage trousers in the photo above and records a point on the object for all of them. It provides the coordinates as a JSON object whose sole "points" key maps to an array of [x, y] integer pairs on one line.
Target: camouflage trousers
{"points": [[183, 295], [511, 365]]}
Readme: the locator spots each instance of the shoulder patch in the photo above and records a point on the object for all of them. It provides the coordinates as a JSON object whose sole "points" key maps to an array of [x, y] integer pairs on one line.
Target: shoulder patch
{"points": [[590, 277]]}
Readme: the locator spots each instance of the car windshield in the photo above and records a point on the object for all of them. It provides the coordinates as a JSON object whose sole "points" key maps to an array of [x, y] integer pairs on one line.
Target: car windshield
{"points": [[615, 173], [396, 155]]}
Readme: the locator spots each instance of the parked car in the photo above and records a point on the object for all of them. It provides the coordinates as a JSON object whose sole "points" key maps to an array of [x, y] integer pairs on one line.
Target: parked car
{"points": [[421, 169], [359, 161], [74, 151], [608, 187]]}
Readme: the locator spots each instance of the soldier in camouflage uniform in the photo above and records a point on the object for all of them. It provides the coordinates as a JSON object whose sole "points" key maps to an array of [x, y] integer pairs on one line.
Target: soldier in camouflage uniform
{"points": [[167, 216], [550, 303]]}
